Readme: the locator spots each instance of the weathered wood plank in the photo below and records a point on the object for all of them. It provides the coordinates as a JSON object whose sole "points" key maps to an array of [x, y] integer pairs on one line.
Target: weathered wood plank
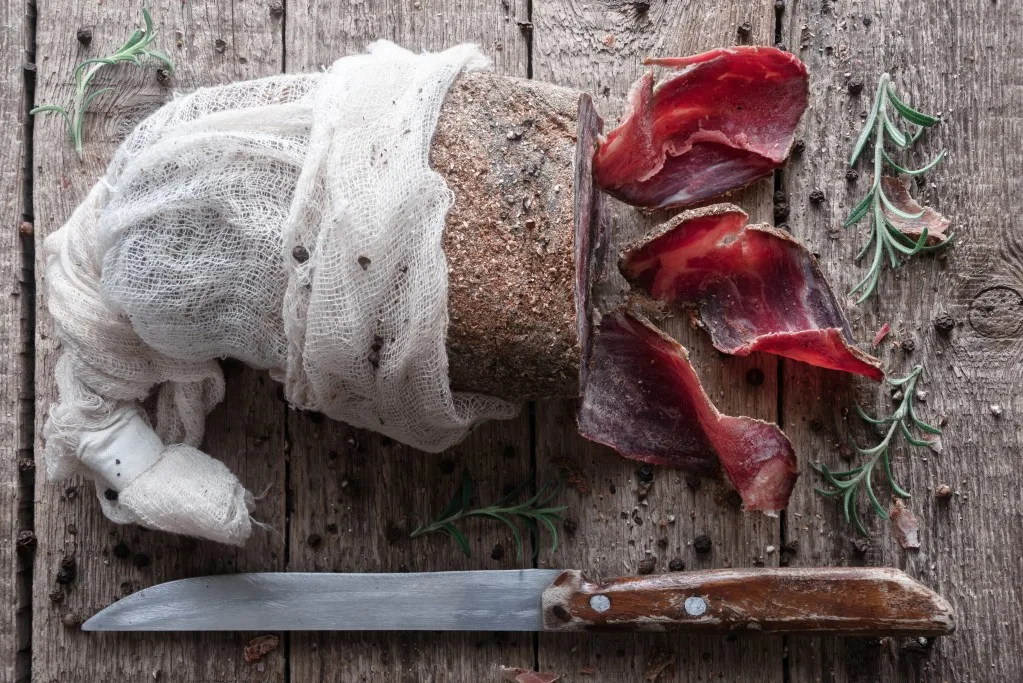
{"points": [[14, 509], [355, 495], [599, 48], [246, 432], [962, 59]]}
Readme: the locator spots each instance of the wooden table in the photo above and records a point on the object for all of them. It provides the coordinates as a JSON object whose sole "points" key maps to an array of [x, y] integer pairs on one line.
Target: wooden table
{"points": [[341, 500]]}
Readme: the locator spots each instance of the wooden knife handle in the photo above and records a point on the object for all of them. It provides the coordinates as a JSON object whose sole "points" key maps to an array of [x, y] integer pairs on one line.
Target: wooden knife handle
{"points": [[841, 600]]}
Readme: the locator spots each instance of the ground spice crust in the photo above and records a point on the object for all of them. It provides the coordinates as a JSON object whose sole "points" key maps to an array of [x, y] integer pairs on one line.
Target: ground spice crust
{"points": [[505, 147]]}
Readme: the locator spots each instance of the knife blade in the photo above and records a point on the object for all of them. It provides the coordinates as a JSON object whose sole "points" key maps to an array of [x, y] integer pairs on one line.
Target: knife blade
{"points": [[841, 600]]}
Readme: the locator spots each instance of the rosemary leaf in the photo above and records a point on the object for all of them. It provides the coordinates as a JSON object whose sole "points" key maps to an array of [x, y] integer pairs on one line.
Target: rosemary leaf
{"points": [[531, 513], [888, 241], [847, 484], [133, 51]]}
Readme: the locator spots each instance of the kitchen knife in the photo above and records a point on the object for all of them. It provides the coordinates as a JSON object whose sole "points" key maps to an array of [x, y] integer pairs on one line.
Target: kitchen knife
{"points": [[841, 600]]}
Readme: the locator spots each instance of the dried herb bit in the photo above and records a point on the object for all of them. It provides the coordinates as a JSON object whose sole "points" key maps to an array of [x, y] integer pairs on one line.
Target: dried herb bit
{"points": [[132, 52], [846, 484], [890, 218], [532, 512]]}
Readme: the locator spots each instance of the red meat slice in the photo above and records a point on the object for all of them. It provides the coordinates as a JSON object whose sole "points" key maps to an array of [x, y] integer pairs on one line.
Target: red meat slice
{"points": [[725, 119], [756, 288], [643, 399]]}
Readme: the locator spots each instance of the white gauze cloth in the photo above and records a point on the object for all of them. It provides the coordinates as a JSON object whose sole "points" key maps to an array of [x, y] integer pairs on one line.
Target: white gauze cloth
{"points": [[292, 223]]}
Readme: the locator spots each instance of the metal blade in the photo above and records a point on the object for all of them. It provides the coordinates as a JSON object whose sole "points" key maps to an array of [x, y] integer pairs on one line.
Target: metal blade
{"points": [[506, 600]]}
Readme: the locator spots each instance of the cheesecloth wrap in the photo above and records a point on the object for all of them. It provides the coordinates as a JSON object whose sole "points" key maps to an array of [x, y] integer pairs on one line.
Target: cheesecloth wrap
{"points": [[292, 223]]}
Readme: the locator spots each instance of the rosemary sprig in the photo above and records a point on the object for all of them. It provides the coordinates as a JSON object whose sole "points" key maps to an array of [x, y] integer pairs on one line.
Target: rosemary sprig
{"points": [[131, 52], [846, 485], [888, 242], [532, 512]]}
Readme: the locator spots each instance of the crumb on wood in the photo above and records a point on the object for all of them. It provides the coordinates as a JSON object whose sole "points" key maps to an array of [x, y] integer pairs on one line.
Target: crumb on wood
{"points": [[260, 646]]}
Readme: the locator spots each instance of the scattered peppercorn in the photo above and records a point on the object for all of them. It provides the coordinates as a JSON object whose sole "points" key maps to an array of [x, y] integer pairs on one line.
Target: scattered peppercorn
{"points": [[276, 10], [26, 541], [332, 528], [110, 494], [745, 29], [860, 546], [122, 551], [71, 619], [84, 36], [943, 492], [57, 595], [855, 85], [817, 196], [781, 211], [702, 544], [314, 540], [220, 45], [799, 146], [300, 254], [779, 5], [677, 564], [944, 323], [140, 560], [908, 345], [67, 570], [646, 565], [645, 473], [364, 262], [662, 543], [163, 77], [755, 376], [851, 175]]}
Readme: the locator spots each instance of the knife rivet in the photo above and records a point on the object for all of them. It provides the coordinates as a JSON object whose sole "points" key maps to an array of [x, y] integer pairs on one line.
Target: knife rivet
{"points": [[695, 606], [600, 603]]}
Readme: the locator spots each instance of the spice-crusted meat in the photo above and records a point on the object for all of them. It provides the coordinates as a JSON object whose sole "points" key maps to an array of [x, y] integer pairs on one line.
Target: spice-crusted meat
{"points": [[643, 399], [727, 118], [756, 288]]}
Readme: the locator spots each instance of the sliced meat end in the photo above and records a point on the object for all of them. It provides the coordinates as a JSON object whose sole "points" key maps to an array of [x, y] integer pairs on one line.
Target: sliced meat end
{"points": [[725, 119], [756, 288], [643, 399], [936, 224]]}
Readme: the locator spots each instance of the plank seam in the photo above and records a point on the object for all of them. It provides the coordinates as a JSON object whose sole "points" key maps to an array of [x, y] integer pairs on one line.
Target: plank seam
{"points": [[25, 368]]}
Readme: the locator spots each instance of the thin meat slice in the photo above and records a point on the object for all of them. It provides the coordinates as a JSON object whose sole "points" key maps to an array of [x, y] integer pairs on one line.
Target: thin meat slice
{"points": [[727, 118], [935, 224], [643, 399], [756, 288]]}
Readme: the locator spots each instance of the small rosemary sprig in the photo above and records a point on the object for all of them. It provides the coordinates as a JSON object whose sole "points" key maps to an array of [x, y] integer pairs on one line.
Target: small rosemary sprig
{"points": [[132, 51], [885, 238], [846, 485], [532, 512]]}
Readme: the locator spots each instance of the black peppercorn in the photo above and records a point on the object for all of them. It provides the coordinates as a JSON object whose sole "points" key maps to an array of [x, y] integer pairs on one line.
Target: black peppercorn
{"points": [[702, 544]]}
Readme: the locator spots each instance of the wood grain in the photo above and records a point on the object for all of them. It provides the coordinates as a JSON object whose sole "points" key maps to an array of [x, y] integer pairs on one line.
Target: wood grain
{"points": [[838, 600], [357, 496], [599, 48], [15, 499], [246, 432], [962, 59]]}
